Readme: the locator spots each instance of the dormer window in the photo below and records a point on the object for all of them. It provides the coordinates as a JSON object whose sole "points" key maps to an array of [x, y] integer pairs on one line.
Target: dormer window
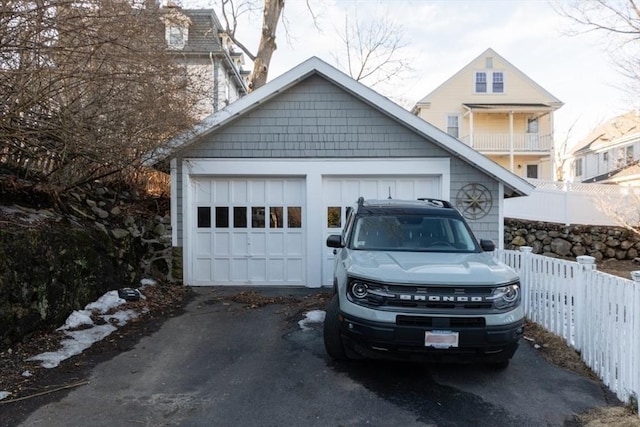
{"points": [[176, 36]]}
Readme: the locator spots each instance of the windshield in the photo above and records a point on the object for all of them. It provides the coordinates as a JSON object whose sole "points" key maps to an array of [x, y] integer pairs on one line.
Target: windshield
{"points": [[412, 233]]}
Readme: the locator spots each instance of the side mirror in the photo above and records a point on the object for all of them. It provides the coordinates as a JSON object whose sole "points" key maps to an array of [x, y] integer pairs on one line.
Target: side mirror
{"points": [[335, 241], [487, 245]]}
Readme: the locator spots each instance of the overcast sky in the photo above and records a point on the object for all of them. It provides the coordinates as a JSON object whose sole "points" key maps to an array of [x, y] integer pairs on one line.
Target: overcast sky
{"points": [[444, 36]]}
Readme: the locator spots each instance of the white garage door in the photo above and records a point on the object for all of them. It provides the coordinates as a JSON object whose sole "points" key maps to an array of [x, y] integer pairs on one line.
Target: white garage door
{"points": [[341, 192], [248, 231]]}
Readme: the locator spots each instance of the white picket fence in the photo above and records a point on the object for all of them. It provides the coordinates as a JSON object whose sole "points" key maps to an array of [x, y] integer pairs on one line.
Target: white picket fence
{"points": [[597, 314]]}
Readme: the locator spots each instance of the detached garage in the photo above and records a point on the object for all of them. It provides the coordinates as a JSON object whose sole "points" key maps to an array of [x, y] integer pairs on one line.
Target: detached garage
{"points": [[257, 187]]}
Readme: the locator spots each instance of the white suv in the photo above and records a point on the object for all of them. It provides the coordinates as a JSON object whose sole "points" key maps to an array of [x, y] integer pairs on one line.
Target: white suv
{"points": [[411, 282]]}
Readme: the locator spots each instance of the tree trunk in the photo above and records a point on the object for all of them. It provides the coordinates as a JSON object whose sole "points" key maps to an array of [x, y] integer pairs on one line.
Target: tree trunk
{"points": [[270, 19]]}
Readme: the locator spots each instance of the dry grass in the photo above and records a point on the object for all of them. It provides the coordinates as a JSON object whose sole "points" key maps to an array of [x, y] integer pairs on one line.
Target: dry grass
{"points": [[616, 416], [555, 350]]}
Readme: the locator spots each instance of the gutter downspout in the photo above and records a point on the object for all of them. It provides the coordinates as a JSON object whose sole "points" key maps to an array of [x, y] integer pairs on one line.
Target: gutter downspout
{"points": [[214, 76]]}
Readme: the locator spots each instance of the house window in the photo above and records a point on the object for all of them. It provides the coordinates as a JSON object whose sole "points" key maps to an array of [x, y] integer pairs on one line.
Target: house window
{"points": [[488, 62], [498, 82], [176, 36], [577, 167], [532, 171], [453, 126], [532, 125], [482, 78], [629, 154], [481, 82], [605, 157]]}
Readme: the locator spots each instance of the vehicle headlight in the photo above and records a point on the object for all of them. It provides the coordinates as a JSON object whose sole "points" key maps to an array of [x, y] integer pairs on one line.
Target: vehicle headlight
{"points": [[359, 289], [506, 296]]}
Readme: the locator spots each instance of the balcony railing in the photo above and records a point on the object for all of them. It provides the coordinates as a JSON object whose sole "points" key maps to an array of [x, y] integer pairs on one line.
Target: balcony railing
{"points": [[501, 142]]}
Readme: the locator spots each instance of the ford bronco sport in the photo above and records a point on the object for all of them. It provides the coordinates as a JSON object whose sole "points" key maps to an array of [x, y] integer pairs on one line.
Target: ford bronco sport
{"points": [[411, 282]]}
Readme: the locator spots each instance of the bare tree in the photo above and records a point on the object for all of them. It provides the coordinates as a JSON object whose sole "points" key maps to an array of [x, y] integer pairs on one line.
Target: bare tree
{"points": [[89, 89], [371, 51], [619, 22], [561, 155], [271, 15]]}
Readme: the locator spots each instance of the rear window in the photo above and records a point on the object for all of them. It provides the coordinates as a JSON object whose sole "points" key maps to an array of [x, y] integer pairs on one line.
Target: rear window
{"points": [[412, 233]]}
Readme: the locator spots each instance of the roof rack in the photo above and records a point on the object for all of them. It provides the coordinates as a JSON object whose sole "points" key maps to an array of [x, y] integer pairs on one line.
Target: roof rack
{"points": [[436, 202]]}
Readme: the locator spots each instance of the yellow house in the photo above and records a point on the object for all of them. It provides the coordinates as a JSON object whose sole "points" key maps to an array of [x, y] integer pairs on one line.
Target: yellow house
{"points": [[495, 108]]}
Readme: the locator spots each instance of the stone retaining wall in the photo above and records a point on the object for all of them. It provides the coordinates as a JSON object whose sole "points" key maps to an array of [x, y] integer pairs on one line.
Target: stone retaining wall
{"points": [[570, 241], [52, 264]]}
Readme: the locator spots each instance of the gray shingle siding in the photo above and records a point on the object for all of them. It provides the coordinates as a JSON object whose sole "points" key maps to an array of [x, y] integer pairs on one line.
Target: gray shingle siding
{"points": [[332, 124]]}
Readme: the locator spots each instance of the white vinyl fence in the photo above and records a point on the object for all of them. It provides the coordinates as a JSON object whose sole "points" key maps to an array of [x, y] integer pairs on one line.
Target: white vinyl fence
{"points": [[597, 314], [573, 203]]}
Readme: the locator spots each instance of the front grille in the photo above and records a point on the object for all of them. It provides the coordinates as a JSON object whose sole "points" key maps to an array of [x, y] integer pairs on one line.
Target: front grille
{"points": [[428, 297], [441, 322]]}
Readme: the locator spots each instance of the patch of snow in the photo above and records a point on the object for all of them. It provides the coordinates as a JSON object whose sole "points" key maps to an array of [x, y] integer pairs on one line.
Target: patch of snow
{"points": [[313, 316], [27, 373], [76, 319], [147, 282], [106, 302], [4, 394], [78, 341]]}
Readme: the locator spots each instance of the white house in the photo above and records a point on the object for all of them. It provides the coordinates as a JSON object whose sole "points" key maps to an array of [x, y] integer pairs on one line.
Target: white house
{"points": [[610, 153], [258, 187], [195, 38]]}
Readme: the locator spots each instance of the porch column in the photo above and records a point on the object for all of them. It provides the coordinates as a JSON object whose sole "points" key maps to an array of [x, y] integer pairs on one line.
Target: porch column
{"points": [[511, 165], [471, 128]]}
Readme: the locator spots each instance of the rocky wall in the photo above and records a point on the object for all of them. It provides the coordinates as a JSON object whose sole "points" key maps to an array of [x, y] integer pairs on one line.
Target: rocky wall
{"points": [[52, 263], [570, 241]]}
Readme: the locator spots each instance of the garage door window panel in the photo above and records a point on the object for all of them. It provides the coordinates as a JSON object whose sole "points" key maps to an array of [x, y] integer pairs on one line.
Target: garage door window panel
{"points": [[276, 217], [294, 217], [333, 217], [222, 217], [204, 217], [240, 217], [257, 217]]}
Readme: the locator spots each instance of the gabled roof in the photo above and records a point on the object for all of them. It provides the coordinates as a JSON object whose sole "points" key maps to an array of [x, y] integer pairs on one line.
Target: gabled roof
{"points": [[514, 185], [620, 130], [550, 100]]}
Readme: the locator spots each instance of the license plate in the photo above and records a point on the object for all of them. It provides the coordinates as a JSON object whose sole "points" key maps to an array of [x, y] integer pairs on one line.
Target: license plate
{"points": [[441, 339]]}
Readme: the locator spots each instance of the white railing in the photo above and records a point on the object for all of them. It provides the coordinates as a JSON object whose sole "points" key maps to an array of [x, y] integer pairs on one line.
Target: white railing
{"points": [[597, 314], [571, 203], [501, 142]]}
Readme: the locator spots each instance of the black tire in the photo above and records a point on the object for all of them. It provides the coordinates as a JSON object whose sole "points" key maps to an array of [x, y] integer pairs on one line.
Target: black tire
{"points": [[331, 331]]}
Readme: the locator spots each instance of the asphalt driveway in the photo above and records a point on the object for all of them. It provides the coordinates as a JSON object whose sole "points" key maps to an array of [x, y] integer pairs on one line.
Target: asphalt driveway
{"points": [[223, 364]]}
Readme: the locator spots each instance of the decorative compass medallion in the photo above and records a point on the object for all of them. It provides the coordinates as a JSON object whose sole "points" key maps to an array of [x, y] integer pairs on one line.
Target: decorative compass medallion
{"points": [[474, 201]]}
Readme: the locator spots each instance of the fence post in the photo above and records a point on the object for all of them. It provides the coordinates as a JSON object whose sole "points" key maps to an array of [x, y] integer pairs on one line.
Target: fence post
{"points": [[525, 278], [587, 264], [635, 385]]}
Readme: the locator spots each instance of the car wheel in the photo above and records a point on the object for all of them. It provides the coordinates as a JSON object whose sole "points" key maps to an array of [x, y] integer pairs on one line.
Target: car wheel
{"points": [[331, 332]]}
